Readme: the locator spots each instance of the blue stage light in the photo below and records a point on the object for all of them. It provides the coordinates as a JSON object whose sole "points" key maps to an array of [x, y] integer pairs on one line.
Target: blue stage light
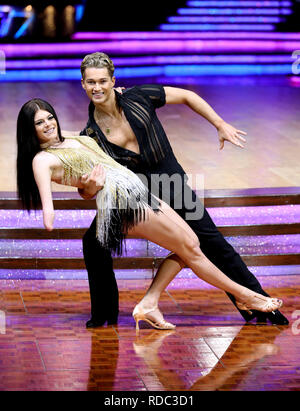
{"points": [[79, 11], [235, 11], [167, 71], [8, 15], [239, 3], [227, 70], [217, 27], [22, 30], [225, 19]]}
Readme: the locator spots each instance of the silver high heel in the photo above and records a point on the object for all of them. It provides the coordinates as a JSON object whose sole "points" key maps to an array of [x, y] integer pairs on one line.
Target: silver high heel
{"points": [[140, 315], [259, 303]]}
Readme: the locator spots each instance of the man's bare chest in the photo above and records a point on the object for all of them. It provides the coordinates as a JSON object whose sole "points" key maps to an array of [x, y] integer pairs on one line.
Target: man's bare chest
{"points": [[122, 135]]}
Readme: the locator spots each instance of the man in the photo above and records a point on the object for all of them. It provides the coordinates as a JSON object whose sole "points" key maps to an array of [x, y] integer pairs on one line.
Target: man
{"points": [[127, 128]]}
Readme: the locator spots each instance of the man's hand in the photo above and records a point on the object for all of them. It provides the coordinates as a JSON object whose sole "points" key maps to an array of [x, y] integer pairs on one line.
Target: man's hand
{"points": [[92, 183], [228, 133]]}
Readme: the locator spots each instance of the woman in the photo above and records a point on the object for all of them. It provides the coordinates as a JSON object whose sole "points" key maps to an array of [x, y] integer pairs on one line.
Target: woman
{"points": [[124, 205]]}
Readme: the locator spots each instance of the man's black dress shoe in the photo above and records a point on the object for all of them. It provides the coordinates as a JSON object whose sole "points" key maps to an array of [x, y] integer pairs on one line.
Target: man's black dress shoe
{"points": [[276, 318], [94, 323]]}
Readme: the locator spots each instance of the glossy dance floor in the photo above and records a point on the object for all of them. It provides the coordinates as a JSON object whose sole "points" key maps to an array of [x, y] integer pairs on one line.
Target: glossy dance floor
{"points": [[45, 346]]}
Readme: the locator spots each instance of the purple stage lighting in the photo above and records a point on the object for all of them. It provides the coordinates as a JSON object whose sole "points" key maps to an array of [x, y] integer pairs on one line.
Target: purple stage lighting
{"points": [[160, 35], [151, 60], [227, 11], [217, 27], [229, 19], [245, 245], [239, 3], [222, 216], [147, 47]]}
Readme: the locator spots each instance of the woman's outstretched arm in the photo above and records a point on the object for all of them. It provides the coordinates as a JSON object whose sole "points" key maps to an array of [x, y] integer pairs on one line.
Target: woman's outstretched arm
{"points": [[42, 170]]}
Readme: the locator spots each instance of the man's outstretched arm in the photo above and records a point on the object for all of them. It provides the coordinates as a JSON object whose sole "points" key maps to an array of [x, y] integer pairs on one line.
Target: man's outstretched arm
{"points": [[226, 132]]}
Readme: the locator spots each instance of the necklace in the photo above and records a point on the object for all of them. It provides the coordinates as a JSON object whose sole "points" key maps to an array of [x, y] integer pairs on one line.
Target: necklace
{"points": [[50, 144], [101, 121]]}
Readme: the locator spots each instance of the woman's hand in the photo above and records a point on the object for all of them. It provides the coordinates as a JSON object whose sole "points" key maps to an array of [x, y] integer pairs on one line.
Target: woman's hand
{"points": [[229, 133], [48, 217], [93, 183]]}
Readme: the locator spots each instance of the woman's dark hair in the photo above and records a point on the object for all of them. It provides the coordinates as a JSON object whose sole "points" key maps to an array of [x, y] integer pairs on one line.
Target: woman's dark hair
{"points": [[28, 147]]}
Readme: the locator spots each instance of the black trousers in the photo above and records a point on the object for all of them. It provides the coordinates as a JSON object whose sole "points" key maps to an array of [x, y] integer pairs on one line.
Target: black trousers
{"points": [[103, 285]]}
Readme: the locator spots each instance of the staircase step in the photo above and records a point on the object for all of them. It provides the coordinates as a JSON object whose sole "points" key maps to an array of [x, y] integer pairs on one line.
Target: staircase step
{"points": [[77, 233], [75, 263], [222, 216], [252, 197], [132, 263], [231, 221], [81, 274], [135, 248], [260, 230], [132, 274], [213, 198], [62, 249]]}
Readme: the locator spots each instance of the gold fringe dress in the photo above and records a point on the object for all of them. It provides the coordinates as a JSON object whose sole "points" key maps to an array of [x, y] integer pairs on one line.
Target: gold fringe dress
{"points": [[121, 203]]}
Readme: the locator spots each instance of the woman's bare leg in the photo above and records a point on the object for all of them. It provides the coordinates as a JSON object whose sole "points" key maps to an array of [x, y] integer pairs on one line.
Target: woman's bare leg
{"points": [[167, 271], [161, 229]]}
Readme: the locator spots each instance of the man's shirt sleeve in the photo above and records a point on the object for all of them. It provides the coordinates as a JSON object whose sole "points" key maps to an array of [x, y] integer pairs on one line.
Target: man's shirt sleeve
{"points": [[156, 94]]}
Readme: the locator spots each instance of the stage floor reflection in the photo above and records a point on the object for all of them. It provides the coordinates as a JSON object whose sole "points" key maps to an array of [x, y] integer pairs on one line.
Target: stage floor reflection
{"points": [[44, 344]]}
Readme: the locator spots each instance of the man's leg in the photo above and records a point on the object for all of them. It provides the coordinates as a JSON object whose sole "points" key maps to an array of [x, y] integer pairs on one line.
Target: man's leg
{"points": [[223, 256], [103, 286]]}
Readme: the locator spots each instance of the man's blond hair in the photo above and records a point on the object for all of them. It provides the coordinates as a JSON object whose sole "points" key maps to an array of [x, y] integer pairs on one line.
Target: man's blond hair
{"points": [[97, 60]]}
